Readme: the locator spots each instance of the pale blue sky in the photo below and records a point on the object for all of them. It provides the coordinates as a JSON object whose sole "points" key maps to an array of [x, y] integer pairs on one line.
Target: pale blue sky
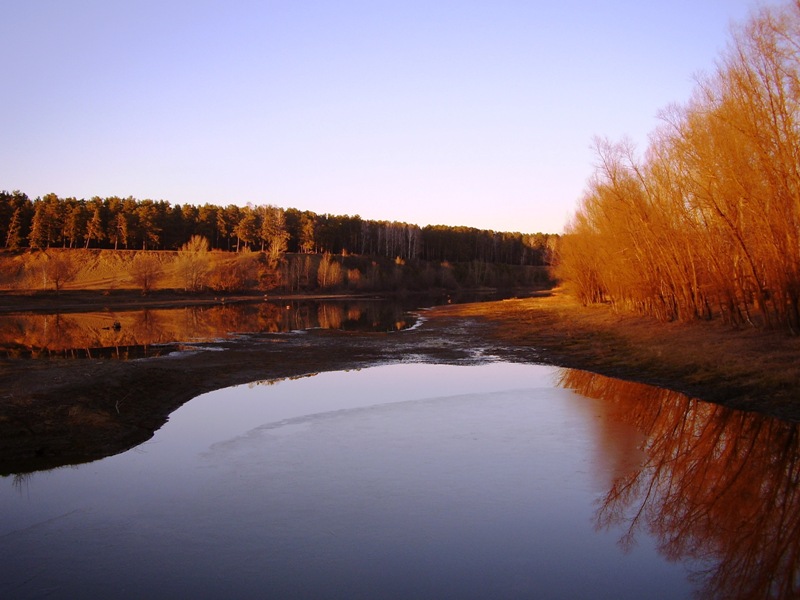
{"points": [[457, 113]]}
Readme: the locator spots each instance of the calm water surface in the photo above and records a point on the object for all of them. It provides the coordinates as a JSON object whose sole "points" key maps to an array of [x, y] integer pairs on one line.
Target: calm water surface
{"points": [[154, 332], [420, 481]]}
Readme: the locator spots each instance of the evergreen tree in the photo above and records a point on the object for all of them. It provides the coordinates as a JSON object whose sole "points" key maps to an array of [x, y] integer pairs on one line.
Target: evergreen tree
{"points": [[14, 237]]}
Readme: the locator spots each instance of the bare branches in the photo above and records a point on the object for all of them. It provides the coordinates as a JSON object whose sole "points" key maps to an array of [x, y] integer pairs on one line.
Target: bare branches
{"points": [[709, 223]]}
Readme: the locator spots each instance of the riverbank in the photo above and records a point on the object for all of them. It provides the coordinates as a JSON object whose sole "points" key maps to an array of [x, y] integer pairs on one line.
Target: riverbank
{"points": [[743, 368], [57, 412], [70, 301]]}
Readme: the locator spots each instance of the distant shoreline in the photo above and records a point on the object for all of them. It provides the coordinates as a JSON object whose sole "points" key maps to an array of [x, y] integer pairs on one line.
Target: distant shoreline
{"points": [[92, 300]]}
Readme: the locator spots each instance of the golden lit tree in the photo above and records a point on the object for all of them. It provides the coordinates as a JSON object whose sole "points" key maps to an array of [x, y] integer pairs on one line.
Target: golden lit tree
{"points": [[708, 223], [194, 263]]}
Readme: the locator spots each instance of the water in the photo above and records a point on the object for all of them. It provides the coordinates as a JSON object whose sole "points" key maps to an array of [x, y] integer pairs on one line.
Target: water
{"points": [[131, 334], [423, 481], [128, 334]]}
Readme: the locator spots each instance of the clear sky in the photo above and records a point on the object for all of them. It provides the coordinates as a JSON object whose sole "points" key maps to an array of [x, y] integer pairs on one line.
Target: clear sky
{"points": [[477, 113]]}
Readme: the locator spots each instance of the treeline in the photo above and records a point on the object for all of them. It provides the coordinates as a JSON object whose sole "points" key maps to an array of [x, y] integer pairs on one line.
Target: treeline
{"points": [[194, 268], [707, 224], [127, 223]]}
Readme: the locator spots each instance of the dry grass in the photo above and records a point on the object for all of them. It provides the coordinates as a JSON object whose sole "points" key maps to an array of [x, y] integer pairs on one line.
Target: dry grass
{"points": [[97, 270], [744, 368]]}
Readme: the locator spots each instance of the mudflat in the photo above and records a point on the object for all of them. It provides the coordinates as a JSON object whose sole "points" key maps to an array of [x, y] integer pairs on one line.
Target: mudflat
{"points": [[55, 412]]}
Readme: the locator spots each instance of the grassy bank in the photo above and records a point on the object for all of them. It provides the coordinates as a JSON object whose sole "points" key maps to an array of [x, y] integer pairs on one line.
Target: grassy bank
{"points": [[742, 368]]}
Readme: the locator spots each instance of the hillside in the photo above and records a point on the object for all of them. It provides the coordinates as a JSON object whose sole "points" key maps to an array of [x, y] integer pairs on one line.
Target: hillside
{"points": [[228, 272]]}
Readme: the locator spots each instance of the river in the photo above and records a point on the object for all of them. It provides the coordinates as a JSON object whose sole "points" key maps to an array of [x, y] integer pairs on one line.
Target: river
{"points": [[424, 481]]}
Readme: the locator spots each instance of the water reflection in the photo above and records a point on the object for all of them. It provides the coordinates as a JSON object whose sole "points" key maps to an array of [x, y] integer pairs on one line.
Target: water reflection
{"points": [[131, 334], [718, 486], [481, 480], [401, 481]]}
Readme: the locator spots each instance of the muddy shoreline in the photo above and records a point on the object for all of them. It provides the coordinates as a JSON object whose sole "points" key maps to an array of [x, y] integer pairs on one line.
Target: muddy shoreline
{"points": [[59, 412]]}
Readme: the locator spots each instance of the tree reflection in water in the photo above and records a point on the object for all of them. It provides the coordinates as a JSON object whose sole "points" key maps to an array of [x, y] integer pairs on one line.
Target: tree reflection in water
{"points": [[137, 333], [718, 486]]}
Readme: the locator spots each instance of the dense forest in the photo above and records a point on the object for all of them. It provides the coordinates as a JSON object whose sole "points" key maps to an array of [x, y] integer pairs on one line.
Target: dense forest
{"points": [[128, 223], [56, 243], [707, 224]]}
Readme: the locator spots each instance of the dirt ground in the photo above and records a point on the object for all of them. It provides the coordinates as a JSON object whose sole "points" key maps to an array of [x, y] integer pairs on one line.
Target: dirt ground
{"points": [[58, 412]]}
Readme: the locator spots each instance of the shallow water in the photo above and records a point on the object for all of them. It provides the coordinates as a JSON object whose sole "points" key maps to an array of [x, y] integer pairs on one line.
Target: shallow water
{"points": [[129, 334], [423, 481]]}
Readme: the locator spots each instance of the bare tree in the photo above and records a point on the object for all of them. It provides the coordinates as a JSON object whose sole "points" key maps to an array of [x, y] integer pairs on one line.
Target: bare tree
{"points": [[146, 270], [708, 224], [60, 268], [194, 263], [329, 272]]}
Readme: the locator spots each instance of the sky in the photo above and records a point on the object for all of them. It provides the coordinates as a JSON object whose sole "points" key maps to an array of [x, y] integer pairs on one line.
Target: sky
{"points": [[473, 113]]}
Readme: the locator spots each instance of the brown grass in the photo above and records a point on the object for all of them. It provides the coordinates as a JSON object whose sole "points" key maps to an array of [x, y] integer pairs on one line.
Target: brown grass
{"points": [[97, 269], [744, 368]]}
